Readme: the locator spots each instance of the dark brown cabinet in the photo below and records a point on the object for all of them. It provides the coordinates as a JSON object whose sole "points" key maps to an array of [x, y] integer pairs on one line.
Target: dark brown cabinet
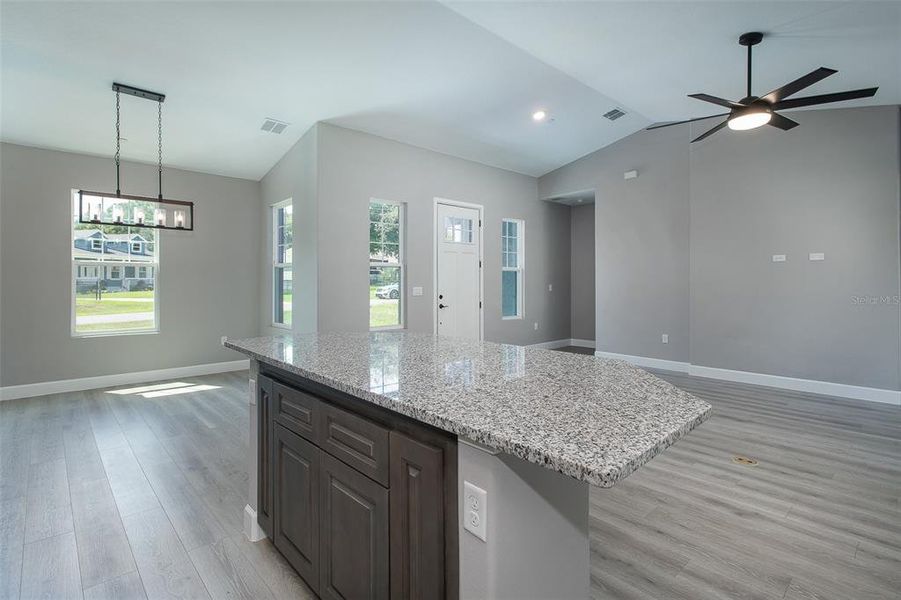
{"points": [[296, 468], [264, 453], [417, 519], [354, 530], [359, 500]]}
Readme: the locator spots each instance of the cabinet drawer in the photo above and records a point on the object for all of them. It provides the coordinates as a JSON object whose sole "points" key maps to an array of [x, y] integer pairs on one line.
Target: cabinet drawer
{"points": [[356, 441], [297, 411]]}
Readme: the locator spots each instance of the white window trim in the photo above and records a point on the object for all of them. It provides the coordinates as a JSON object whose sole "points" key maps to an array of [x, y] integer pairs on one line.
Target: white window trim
{"points": [[138, 244], [277, 265], [97, 264], [96, 244], [519, 268], [401, 263]]}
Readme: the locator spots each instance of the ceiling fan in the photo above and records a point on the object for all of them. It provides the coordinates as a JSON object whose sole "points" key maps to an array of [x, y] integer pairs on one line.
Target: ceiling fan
{"points": [[755, 111]]}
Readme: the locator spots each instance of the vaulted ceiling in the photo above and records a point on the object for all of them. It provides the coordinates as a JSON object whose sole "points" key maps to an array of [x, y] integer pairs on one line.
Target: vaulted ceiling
{"points": [[459, 78]]}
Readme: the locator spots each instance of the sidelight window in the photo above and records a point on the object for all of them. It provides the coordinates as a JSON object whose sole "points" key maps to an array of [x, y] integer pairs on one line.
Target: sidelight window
{"points": [[512, 264], [282, 263], [386, 265]]}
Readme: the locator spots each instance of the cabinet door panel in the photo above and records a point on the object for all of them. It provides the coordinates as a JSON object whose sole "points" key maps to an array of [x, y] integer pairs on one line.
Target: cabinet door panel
{"points": [[264, 454], [296, 515], [354, 530], [417, 520]]}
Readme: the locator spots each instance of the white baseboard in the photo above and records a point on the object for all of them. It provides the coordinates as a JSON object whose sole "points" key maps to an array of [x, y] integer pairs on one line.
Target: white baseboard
{"points": [[813, 386], [825, 388], [552, 344], [644, 361], [563, 343], [252, 529], [28, 390]]}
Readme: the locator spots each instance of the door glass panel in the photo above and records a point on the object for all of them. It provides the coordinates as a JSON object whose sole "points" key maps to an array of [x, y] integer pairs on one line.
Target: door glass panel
{"points": [[458, 230]]}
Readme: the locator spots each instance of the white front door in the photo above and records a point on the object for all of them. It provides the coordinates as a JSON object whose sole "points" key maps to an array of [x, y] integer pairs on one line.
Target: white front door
{"points": [[458, 293]]}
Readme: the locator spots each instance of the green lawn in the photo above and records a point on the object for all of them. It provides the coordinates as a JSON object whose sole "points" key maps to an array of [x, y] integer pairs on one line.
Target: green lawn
{"points": [[382, 313], [129, 326], [86, 305]]}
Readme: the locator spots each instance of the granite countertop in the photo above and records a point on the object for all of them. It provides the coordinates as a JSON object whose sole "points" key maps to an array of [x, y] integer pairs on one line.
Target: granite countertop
{"points": [[594, 419]]}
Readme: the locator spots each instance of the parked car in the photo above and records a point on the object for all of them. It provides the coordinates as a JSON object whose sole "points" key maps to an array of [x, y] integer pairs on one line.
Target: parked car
{"points": [[391, 291]]}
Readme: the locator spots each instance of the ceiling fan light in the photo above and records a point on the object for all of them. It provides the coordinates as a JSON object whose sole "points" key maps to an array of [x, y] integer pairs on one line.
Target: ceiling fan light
{"points": [[750, 120]]}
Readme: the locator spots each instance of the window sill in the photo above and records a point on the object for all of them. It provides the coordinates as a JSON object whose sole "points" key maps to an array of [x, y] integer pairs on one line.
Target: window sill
{"points": [[281, 326], [102, 334], [516, 318], [389, 328]]}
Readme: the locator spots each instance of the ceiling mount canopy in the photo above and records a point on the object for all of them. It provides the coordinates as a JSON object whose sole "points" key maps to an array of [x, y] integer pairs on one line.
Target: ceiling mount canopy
{"points": [[752, 111], [120, 209]]}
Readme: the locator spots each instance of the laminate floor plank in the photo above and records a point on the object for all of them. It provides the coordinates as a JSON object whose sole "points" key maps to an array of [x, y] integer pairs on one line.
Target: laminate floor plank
{"points": [[164, 565], [12, 542], [48, 510], [282, 580], [130, 487], [227, 573], [50, 569], [123, 587]]}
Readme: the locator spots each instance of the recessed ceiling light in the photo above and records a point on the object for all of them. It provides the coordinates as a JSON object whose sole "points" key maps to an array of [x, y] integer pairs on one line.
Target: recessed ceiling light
{"points": [[539, 115]]}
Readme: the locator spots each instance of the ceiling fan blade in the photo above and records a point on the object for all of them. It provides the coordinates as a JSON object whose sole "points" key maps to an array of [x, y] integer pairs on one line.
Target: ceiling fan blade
{"points": [[783, 123], [715, 100], [825, 98], [799, 84], [709, 132], [671, 123]]}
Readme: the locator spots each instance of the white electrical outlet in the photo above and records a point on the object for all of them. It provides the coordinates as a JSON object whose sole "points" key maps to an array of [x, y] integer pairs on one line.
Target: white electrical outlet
{"points": [[817, 256], [536, 325], [778, 258], [417, 290], [550, 287], [222, 339], [664, 338], [475, 510]]}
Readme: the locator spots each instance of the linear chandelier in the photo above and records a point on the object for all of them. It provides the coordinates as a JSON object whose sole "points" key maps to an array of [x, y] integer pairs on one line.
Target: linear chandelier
{"points": [[101, 208]]}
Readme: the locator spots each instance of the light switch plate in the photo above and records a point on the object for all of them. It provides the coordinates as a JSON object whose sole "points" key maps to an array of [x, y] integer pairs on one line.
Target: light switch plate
{"points": [[778, 258], [817, 256], [664, 338], [475, 510], [417, 290]]}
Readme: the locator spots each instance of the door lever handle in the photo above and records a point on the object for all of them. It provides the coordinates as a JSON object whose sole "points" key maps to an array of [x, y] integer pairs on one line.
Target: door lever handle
{"points": [[443, 305]]}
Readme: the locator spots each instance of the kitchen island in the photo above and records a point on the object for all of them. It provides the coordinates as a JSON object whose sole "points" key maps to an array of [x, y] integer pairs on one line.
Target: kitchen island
{"points": [[365, 444]]}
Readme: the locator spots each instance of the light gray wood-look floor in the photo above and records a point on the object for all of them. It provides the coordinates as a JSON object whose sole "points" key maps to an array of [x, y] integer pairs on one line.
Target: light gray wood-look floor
{"points": [[125, 496]]}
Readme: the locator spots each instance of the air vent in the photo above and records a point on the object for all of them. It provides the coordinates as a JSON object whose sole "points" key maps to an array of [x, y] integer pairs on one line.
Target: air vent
{"points": [[614, 114], [274, 125]]}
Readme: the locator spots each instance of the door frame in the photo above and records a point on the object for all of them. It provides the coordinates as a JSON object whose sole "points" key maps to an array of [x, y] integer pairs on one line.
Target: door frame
{"points": [[481, 209]]}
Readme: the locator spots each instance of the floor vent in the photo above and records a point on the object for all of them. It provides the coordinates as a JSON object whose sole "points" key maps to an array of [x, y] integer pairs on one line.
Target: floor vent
{"points": [[273, 125], [744, 461], [614, 114]]}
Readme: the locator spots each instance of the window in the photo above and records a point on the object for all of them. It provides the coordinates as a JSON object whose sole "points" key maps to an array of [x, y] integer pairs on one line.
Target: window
{"points": [[136, 247], [282, 263], [512, 264], [386, 265], [458, 230], [103, 301]]}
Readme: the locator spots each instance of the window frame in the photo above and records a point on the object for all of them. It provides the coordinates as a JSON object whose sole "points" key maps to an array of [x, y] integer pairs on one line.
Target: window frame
{"points": [[519, 268], [139, 246], [97, 266], [401, 263], [96, 244], [275, 296]]}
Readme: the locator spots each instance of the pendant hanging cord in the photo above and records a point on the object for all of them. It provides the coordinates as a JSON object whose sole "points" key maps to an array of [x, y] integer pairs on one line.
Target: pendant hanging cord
{"points": [[160, 145], [118, 145], [749, 71]]}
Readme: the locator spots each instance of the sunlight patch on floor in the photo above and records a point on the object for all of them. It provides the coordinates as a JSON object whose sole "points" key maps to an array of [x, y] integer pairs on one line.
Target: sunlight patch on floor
{"points": [[150, 388]]}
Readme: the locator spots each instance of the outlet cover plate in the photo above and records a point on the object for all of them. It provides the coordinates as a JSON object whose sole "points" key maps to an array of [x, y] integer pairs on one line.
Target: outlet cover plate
{"points": [[475, 510]]}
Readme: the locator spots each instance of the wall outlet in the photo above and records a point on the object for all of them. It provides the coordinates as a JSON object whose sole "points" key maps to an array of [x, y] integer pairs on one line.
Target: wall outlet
{"points": [[536, 325], [417, 290], [664, 339], [550, 287], [222, 340], [817, 256], [778, 258], [475, 510]]}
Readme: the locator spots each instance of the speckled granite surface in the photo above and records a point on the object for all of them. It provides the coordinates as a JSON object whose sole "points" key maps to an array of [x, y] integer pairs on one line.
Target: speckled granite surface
{"points": [[594, 419]]}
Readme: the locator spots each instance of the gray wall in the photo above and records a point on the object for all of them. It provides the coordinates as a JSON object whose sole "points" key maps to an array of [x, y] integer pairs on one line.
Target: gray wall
{"points": [[582, 272], [295, 177], [354, 167], [207, 282], [714, 213]]}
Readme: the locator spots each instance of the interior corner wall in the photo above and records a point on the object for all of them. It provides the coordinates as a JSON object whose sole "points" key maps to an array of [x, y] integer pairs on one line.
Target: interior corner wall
{"points": [[691, 240], [207, 277], [294, 177], [582, 272], [355, 167]]}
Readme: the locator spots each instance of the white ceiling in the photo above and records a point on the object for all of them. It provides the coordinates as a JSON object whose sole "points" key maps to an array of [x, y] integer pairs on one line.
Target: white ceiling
{"points": [[461, 78]]}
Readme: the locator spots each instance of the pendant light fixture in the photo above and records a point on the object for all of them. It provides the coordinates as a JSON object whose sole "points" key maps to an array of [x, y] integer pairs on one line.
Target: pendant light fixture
{"points": [[100, 208]]}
